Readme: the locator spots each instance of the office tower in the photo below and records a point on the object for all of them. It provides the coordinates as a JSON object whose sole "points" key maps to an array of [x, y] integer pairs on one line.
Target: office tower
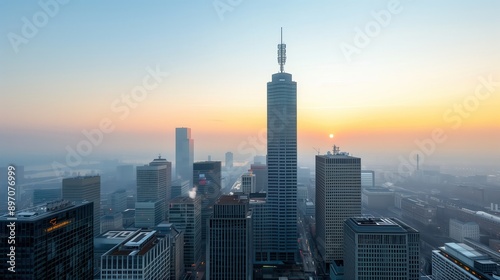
{"points": [[125, 173], [41, 196], [460, 230], [112, 221], [52, 241], [367, 179], [149, 213], [152, 191], [338, 197], [168, 174], [185, 214], [229, 246], [176, 237], [143, 255], [380, 249], [260, 172], [262, 233], [118, 201], [85, 188], [184, 154], [179, 188], [458, 261], [207, 178], [248, 183], [229, 160], [282, 161]]}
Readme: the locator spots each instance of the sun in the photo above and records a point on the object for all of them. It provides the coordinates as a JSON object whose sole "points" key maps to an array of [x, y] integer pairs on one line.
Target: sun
{"points": [[331, 135]]}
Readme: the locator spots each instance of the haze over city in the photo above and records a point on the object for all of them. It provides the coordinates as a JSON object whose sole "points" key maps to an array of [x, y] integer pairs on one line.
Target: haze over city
{"points": [[381, 76]]}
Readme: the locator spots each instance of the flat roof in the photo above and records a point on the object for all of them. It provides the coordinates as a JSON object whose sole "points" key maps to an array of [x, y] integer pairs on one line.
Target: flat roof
{"points": [[378, 225], [43, 210], [465, 250]]}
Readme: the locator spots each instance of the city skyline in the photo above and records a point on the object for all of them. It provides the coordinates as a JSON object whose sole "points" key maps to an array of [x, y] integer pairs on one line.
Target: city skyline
{"points": [[379, 98]]}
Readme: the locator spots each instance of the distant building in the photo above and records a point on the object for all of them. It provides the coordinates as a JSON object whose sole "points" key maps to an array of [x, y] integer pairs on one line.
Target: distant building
{"points": [[41, 196], [207, 178], [143, 255], [184, 154], [418, 210], [185, 214], [229, 160], [380, 249], [180, 188], [118, 201], [229, 242], [460, 230], [367, 178], [260, 171], [338, 197], [125, 173], [85, 188], [377, 198], [458, 261], [259, 160], [261, 231], [112, 221], [149, 213], [248, 183], [52, 241]]}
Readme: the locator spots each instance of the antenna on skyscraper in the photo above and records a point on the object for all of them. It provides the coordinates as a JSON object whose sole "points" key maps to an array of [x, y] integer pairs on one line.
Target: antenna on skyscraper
{"points": [[282, 53]]}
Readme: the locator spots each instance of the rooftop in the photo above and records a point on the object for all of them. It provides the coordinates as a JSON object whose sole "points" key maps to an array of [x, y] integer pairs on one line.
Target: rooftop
{"points": [[378, 225], [43, 210]]}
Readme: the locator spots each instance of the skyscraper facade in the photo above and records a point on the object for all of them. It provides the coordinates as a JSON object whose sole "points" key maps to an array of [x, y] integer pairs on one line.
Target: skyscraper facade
{"points": [[380, 249], [229, 160], [151, 194], [282, 162], [248, 183], [168, 175], [85, 188], [185, 214], [338, 197], [229, 245], [184, 154], [52, 241]]}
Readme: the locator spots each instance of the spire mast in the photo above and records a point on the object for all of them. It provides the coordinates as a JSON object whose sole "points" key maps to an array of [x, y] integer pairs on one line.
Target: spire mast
{"points": [[282, 53]]}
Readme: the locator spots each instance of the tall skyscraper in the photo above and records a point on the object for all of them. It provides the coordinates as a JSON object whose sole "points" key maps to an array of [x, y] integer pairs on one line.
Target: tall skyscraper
{"points": [[85, 188], [152, 192], [338, 197], [380, 249], [229, 160], [52, 241], [185, 214], [168, 174], [184, 154], [229, 245], [282, 161], [260, 172]]}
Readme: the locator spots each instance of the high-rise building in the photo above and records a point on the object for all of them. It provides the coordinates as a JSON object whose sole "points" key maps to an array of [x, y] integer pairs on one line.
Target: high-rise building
{"points": [[184, 154], [176, 249], [50, 241], [229, 160], [260, 172], [185, 214], [248, 183], [85, 188], [179, 188], [338, 197], [168, 174], [152, 193], [143, 255], [229, 245], [380, 249], [282, 162], [207, 178], [458, 261]]}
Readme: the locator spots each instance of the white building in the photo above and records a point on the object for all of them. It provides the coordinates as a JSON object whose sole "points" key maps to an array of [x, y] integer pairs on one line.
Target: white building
{"points": [[144, 255], [460, 230]]}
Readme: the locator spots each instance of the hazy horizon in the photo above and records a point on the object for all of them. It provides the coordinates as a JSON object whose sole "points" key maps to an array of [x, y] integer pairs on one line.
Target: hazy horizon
{"points": [[390, 79]]}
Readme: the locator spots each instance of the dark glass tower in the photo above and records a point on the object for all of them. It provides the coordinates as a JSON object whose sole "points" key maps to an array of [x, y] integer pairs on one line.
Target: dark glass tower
{"points": [[282, 162]]}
